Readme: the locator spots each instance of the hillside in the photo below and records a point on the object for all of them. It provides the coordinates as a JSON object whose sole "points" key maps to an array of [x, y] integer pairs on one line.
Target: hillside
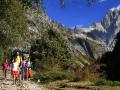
{"points": [[41, 27], [84, 43]]}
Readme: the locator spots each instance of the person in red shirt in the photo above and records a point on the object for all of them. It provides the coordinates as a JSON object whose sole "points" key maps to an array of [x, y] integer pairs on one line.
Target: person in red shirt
{"points": [[5, 67]]}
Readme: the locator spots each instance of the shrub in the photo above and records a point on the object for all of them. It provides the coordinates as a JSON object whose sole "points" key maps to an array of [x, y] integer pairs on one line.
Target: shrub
{"points": [[89, 73], [102, 82], [52, 76], [107, 82], [116, 83]]}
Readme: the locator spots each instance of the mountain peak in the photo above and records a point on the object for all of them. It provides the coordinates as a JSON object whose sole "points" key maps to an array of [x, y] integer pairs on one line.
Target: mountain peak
{"points": [[115, 8]]}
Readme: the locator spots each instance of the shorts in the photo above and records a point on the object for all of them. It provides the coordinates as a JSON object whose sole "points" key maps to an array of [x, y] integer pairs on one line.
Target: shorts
{"points": [[15, 72]]}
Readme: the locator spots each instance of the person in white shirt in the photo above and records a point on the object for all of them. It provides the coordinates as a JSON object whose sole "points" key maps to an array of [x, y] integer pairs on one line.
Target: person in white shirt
{"points": [[15, 71]]}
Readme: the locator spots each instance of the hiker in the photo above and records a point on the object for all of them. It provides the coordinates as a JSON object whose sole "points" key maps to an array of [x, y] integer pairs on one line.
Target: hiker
{"points": [[26, 71], [29, 68], [18, 58], [23, 66], [19, 61], [5, 67], [15, 71]]}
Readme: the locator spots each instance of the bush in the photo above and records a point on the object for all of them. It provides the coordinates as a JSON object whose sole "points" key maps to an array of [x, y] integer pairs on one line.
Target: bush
{"points": [[107, 82], [52, 48], [102, 82], [52, 76], [116, 83], [89, 73]]}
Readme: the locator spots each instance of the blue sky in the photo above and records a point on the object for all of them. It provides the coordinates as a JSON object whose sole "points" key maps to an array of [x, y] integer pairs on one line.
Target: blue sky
{"points": [[77, 12]]}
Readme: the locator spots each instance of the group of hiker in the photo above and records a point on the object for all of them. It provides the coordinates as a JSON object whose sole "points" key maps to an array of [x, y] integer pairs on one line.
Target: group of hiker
{"points": [[20, 67]]}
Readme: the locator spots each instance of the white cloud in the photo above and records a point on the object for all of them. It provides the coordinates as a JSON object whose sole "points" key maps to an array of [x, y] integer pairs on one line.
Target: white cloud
{"points": [[115, 8]]}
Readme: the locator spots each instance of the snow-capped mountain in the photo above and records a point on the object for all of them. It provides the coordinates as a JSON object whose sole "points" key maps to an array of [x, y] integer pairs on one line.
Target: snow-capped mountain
{"points": [[107, 29], [100, 37], [115, 8]]}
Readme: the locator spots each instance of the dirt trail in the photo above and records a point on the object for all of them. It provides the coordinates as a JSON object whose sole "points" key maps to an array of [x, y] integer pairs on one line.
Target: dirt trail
{"points": [[22, 85]]}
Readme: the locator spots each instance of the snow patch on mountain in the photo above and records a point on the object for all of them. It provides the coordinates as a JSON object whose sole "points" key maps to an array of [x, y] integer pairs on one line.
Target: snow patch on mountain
{"points": [[89, 29], [115, 8]]}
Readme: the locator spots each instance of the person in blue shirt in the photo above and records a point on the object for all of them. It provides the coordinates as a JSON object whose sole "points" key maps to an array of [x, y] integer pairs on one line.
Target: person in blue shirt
{"points": [[23, 68]]}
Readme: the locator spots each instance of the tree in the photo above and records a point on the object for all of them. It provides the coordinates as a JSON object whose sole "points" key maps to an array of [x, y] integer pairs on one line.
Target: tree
{"points": [[13, 23], [51, 49]]}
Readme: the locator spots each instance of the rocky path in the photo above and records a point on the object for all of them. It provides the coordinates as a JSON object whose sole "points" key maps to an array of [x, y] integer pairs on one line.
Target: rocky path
{"points": [[21, 85]]}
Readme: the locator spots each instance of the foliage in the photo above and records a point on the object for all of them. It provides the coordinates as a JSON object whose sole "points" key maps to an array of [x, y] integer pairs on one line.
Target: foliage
{"points": [[89, 73], [107, 82], [1, 58], [52, 76], [51, 49], [13, 23], [31, 3]]}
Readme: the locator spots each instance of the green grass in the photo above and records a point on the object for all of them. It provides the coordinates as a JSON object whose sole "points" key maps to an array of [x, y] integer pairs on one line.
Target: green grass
{"points": [[100, 84], [52, 76], [107, 83]]}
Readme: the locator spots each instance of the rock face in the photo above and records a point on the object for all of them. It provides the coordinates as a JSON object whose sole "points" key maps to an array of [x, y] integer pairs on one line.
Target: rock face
{"points": [[87, 45], [108, 28], [38, 24]]}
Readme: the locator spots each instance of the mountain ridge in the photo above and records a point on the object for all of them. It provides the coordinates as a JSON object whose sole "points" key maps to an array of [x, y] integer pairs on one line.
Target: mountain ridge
{"points": [[107, 29]]}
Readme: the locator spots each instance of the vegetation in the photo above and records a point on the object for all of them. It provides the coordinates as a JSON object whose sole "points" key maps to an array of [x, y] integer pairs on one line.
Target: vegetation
{"points": [[52, 49], [53, 76], [12, 23], [107, 82]]}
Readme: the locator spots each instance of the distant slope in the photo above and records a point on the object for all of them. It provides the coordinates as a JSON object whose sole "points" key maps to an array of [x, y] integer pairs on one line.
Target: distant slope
{"points": [[107, 29], [100, 36]]}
